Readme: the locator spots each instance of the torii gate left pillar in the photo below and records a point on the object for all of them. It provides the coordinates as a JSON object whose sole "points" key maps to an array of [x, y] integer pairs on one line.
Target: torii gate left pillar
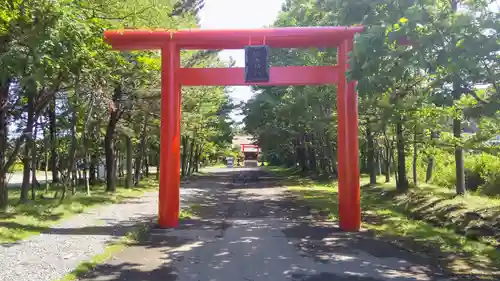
{"points": [[173, 77]]}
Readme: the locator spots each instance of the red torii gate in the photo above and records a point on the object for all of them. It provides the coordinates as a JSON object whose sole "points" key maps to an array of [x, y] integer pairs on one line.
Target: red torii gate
{"points": [[254, 146], [174, 76]]}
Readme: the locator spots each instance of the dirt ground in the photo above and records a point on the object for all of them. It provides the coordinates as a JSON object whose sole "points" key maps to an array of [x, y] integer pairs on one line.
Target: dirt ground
{"points": [[250, 228]]}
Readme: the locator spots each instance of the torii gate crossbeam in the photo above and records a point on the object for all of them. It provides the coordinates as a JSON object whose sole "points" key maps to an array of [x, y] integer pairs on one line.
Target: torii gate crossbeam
{"points": [[174, 76]]}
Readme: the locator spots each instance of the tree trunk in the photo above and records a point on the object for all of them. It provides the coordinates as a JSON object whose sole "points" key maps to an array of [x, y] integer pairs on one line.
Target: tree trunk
{"points": [[157, 167], [184, 156], [94, 165], [312, 158], [109, 143], [388, 157], [85, 171], [330, 153], [301, 155], [4, 98], [394, 167], [141, 152], [85, 152], [118, 162], [53, 141], [459, 158], [4, 197], [123, 161], [430, 168], [370, 155], [334, 163], [430, 161], [33, 164], [196, 159], [387, 165], [457, 129], [27, 149], [379, 162], [323, 160], [199, 150], [46, 158], [95, 159], [72, 150], [118, 157], [109, 150], [415, 151], [305, 152], [129, 179], [85, 147], [146, 165], [402, 183], [191, 157]]}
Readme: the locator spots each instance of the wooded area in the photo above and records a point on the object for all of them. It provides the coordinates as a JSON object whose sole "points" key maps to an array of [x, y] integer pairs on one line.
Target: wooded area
{"points": [[429, 111], [69, 103], [427, 74]]}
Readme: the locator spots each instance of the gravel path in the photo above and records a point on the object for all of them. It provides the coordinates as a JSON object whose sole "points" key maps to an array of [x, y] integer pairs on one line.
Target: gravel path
{"points": [[50, 256]]}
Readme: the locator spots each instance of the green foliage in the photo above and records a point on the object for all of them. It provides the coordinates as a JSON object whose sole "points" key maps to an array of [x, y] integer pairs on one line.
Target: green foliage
{"points": [[17, 167], [419, 65], [482, 171], [444, 171], [484, 168], [55, 62]]}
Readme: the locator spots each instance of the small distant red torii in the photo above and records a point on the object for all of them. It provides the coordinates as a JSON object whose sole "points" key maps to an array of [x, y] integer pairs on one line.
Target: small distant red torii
{"points": [[253, 147], [174, 76]]}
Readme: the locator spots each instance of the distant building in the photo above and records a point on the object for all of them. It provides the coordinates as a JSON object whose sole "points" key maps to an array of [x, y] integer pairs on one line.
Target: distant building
{"points": [[239, 140], [250, 150]]}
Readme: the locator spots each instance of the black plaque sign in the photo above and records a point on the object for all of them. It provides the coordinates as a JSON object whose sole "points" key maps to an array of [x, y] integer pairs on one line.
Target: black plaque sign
{"points": [[256, 64]]}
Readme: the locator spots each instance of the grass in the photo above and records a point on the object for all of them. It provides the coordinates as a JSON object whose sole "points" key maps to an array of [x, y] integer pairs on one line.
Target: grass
{"points": [[187, 214], [440, 207], [390, 216], [24, 220]]}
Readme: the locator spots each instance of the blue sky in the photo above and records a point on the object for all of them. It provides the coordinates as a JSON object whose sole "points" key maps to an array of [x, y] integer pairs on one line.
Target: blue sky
{"points": [[233, 14]]}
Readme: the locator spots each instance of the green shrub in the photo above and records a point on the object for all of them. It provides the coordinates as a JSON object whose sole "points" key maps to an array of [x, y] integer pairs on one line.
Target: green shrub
{"points": [[17, 166], [444, 169], [487, 166], [482, 171], [473, 180]]}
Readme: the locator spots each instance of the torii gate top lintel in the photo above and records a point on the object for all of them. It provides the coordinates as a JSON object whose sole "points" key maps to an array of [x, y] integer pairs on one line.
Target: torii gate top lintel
{"points": [[283, 37]]}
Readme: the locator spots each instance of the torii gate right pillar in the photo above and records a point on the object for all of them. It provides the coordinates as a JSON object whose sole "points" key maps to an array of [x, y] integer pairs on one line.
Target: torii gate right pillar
{"points": [[347, 145]]}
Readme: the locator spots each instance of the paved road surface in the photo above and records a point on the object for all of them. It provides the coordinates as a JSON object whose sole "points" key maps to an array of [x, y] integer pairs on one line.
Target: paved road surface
{"points": [[252, 230]]}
